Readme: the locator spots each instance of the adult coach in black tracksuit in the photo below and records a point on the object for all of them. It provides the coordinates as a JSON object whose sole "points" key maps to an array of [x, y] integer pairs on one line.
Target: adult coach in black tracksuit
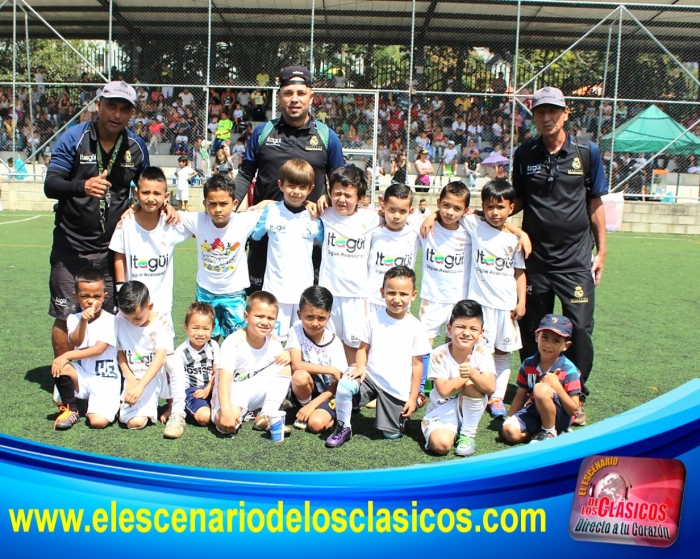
{"points": [[293, 136], [90, 174], [560, 198]]}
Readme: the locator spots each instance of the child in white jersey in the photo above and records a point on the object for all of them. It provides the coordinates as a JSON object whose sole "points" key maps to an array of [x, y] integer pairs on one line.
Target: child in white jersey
{"points": [[253, 370], [393, 244], [291, 231], [497, 281], [318, 360], [89, 370], [222, 275], [144, 243], [463, 374], [389, 362], [144, 339], [191, 370], [184, 174], [347, 232]]}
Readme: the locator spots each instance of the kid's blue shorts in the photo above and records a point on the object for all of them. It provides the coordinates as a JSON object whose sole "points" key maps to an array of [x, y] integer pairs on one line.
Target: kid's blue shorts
{"points": [[229, 309]]}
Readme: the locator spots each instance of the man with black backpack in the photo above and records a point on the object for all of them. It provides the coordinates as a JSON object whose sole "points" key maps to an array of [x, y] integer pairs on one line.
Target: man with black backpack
{"points": [[559, 184], [295, 135]]}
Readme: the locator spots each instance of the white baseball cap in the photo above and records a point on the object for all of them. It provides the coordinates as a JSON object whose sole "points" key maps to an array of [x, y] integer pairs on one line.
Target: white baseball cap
{"points": [[119, 90]]}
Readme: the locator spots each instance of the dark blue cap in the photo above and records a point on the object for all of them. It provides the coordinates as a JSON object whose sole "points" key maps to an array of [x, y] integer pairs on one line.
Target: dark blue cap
{"points": [[556, 323]]}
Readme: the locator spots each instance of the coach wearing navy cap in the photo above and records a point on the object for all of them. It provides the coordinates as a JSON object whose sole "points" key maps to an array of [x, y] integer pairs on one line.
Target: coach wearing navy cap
{"points": [[559, 182], [296, 134]]}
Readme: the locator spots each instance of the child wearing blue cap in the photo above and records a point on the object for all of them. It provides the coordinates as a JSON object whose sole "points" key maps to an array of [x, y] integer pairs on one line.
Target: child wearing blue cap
{"points": [[548, 387]]}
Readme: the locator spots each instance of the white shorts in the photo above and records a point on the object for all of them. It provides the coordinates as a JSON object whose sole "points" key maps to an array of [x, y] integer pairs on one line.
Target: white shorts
{"points": [[500, 331], [349, 315], [183, 194], [248, 394], [147, 405], [102, 393], [447, 415], [434, 315], [286, 316]]}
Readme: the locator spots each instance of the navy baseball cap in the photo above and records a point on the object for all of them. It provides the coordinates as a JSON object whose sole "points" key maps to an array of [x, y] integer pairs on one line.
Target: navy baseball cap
{"points": [[556, 323], [295, 74]]}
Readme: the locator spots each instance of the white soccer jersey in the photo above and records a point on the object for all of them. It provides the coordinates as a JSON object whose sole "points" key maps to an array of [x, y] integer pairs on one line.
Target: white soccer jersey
{"points": [[445, 264], [198, 364], [443, 366], [329, 353], [494, 259], [223, 265], [99, 330], [388, 249], [183, 177], [140, 343], [149, 257], [392, 345], [291, 236], [345, 251]]}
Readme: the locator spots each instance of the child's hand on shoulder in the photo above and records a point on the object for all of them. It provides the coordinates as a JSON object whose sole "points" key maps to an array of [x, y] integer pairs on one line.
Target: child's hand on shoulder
{"points": [[312, 209], [172, 217], [283, 358], [525, 244], [323, 203]]}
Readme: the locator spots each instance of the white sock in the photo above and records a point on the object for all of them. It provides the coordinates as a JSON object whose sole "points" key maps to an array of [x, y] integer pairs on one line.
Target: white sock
{"points": [[343, 400], [305, 400], [472, 409], [502, 374], [175, 369], [276, 392], [551, 430]]}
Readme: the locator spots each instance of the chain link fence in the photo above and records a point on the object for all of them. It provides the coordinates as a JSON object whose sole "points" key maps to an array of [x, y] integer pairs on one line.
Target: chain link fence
{"points": [[391, 77]]}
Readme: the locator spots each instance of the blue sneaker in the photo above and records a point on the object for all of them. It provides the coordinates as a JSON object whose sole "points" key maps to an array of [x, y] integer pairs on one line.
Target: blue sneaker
{"points": [[339, 436], [496, 408]]}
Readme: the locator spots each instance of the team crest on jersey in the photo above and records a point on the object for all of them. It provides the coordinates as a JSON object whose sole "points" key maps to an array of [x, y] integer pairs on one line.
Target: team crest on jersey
{"points": [[313, 144], [575, 167], [579, 295], [127, 159]]}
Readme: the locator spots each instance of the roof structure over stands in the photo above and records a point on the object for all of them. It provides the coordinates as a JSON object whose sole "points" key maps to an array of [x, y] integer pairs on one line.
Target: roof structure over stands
{"points": [[488, 23]]}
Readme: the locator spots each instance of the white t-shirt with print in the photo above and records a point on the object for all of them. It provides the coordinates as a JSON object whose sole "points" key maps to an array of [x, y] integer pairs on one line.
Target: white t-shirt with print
{"points": [[140, 343], [329, 353], [494, 259], [290, 268], [223, 264], [445, 264], [345, 251], [392, 346], [389, 249], [149, 257], [100, 329], [443, 366]]}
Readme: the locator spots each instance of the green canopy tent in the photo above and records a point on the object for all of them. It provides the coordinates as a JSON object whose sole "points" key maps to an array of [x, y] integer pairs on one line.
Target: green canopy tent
{"points": [[650, 132]]}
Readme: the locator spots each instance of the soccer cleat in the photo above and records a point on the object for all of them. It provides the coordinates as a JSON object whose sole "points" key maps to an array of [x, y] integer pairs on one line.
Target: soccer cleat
{"points": [[66, 419], [262, 422], [542, 436], [339, 436], [174, 427], [496, 408], [466, 446], [420, 401], [580, 418], [299, 424]]}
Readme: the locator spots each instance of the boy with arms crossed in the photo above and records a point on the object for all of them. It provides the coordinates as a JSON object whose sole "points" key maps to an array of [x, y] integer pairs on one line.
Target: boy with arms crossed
{"points": [[254, 370], [144, 338], [549, 386], [191, 370], [463, 374], [318, 360], [291, 231], [389, 362], [89, 370]]}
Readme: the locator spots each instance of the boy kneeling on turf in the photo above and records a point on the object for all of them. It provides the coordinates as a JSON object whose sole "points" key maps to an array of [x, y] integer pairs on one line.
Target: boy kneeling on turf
{"points": [[389, 362], [552, 382], [89, 370], [464, 375], [253, 370]]}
